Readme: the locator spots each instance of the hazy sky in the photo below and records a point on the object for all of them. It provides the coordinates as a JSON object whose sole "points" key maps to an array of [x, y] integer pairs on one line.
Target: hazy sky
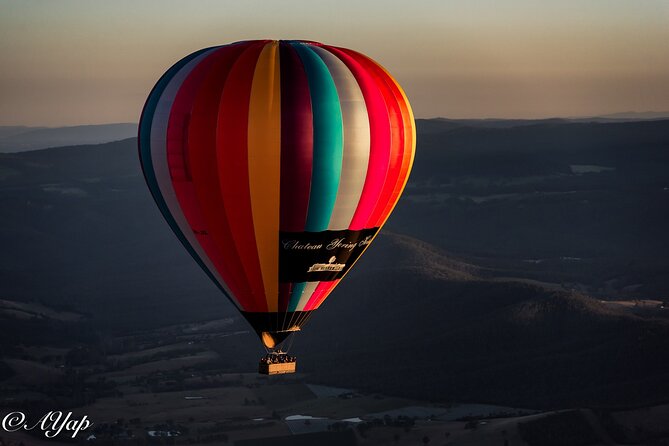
{"points": [[85, 61]]}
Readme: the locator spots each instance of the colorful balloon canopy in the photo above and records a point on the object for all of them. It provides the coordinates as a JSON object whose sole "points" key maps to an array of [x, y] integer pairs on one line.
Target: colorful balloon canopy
{"points": [[275, 163]]}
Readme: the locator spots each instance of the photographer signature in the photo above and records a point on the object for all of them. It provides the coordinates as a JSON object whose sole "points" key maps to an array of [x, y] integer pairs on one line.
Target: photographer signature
{"points": [[52, 423]]}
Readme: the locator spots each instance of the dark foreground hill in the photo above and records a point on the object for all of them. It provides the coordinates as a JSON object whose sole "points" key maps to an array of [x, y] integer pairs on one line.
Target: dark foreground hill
{"points": [[80, 232], [425, 328]]}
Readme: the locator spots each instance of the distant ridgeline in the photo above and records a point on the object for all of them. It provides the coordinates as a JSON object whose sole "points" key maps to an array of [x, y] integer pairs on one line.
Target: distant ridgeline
{"points": [[20, 138]]}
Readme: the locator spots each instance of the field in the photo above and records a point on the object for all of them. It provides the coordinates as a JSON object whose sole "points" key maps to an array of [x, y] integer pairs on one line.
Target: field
{"points": [[183, 392]]}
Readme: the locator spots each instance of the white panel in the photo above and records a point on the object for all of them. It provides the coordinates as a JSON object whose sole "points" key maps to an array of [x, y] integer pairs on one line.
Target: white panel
{"points": [[356, 140], [309, 289]]}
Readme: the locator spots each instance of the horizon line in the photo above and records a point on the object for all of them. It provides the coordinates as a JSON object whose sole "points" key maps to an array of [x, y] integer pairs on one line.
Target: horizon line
{"points": [[612, 115]]}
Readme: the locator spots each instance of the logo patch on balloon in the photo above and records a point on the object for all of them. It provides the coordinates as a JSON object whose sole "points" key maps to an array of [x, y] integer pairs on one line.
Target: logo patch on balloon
{"points": [[320, 256]]}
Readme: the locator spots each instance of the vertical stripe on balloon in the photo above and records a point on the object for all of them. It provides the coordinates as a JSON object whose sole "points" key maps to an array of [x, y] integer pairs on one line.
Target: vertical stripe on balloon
{"points": [[409, 144], [233, 165], [401, 156], [379, 156], [145, 137], [328, 139], [296, 141], [264, 162], [356, 141], [322, 292], [309, 289], [396, 151], [177, 149], [295, 295], [153, 138], [203, 148]]}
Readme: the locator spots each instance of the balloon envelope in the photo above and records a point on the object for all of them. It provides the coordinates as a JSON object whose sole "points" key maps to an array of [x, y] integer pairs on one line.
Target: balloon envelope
{"points": [[275, 163]]}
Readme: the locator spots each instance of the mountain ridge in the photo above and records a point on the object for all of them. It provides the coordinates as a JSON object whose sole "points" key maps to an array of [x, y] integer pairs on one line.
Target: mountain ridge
{"points": [[19, 138]]}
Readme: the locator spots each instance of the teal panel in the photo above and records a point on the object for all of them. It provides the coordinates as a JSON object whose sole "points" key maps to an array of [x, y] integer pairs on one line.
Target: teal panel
{"points": [[295, 295], [328, 139]]}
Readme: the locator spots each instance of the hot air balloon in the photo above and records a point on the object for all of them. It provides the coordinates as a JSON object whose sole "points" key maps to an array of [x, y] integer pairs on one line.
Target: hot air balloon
{"points": [[276, 163]]}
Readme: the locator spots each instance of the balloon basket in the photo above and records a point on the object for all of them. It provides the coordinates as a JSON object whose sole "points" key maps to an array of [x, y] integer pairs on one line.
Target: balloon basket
{"points": [[277, 364]]}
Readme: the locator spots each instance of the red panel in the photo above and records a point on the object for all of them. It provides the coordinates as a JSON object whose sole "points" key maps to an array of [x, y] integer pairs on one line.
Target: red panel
{"points": [[202, 152], [178, 151], [232, 147], [320, 293], [407, 145]]}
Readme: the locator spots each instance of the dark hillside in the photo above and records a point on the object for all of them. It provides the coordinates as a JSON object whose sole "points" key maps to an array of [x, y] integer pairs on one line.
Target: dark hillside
{"points": [[465, 339], [446, 313], [583, 204]]}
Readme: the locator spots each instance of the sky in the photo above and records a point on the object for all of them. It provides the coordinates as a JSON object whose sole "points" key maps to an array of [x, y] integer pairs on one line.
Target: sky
{"points": [[71, 62]]}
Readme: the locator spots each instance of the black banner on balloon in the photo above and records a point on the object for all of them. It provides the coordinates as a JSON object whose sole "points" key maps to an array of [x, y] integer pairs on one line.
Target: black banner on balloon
{"points": [[320, 256]]}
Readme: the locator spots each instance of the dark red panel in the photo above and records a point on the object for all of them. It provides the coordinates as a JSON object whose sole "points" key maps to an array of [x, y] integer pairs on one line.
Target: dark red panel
{"points": [[202, 152], [233, 168], [297, 140]]}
